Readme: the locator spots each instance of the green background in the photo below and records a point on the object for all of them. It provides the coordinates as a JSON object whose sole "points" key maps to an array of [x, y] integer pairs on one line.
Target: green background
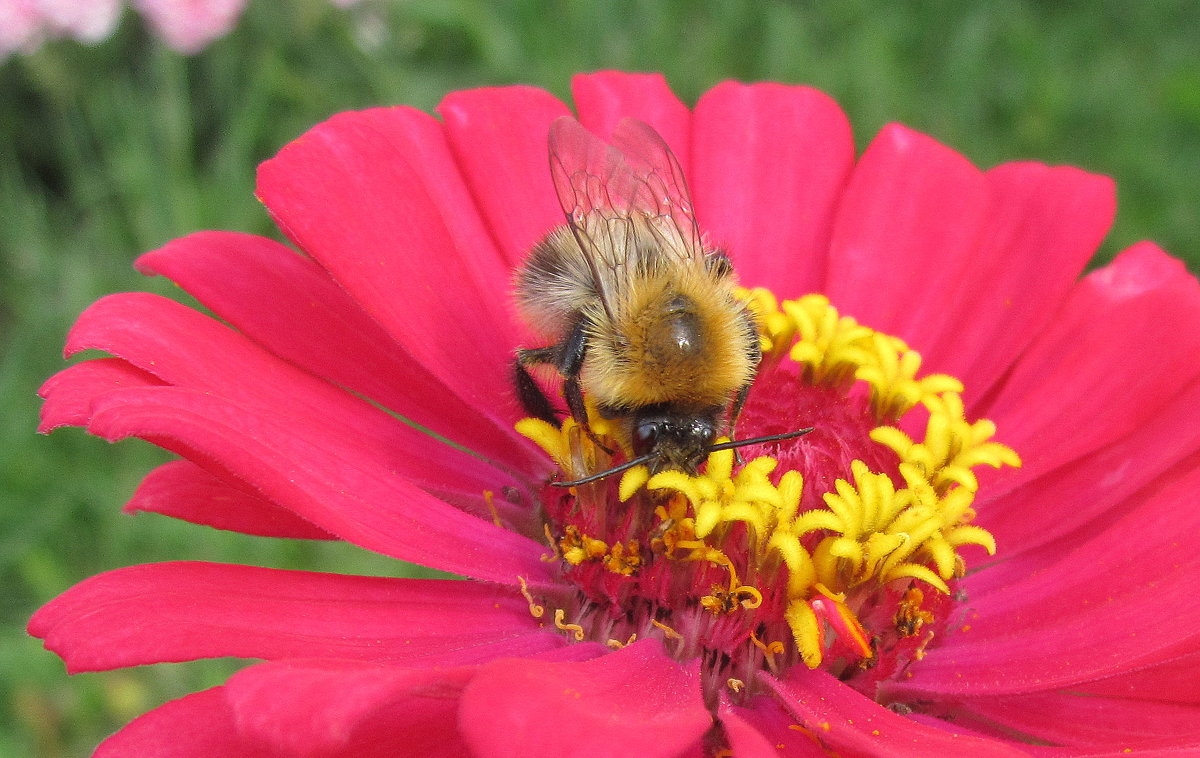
{"points": [[111, 150]]}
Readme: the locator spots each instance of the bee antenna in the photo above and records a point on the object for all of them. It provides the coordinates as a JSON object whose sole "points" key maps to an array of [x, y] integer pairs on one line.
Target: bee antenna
{"points": [[713, 448], [614, 470], [757, 440]]}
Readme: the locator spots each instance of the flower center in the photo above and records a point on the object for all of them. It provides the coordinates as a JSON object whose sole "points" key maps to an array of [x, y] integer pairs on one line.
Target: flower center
{"points": [[838, 550]]}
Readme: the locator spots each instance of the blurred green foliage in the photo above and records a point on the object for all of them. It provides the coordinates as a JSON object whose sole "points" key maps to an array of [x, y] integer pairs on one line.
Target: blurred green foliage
{"points": [[111, 150]]}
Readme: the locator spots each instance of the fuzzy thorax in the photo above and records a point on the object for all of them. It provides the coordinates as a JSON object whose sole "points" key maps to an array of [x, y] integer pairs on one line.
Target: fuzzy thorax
{"points": [[678, 337]]}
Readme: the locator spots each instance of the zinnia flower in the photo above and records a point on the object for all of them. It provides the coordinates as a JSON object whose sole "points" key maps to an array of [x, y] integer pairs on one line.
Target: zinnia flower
{"points": [[988, 546]]}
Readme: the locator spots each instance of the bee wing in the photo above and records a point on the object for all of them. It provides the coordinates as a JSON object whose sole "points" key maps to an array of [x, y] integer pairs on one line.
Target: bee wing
{"points": [[662, 190], [606, 191]]}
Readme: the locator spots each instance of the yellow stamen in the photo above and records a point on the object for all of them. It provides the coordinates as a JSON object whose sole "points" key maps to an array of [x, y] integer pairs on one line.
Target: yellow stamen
{"points": [[488, 496], [553, 543], [952, 446], [535, 610], [769, 650], [632, 481], [830, 347], [576, 629], [617, 644], [624, 558], [548, 438], [578, 547], [751, 598], [570, 448], [807, 632]]}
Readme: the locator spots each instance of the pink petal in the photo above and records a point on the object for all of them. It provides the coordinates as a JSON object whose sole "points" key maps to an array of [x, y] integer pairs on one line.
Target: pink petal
{"points": [[1043, 225], [290, 306], [183, 490], [197, 496], [70, 392], [747, 742], [1095, 353], [1187, 751], [846, 722], [770, 164], [604, 98], [186, 349], [323, 479], [1173, 681], [762, 728], [166, 612], [635, 701], [327, 708], [498, 136], [1093, 484], [199, 725], [1056, 718], [1039, 626], [352, 709], [905, 232], [766, 714], [375, 197]]}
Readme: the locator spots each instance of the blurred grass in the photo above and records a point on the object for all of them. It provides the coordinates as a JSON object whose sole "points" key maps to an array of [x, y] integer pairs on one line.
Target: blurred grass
{"points": [[111, 150]]}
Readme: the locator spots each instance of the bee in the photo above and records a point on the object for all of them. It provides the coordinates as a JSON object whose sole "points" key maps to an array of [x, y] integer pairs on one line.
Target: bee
{"points": [[641, 315]]}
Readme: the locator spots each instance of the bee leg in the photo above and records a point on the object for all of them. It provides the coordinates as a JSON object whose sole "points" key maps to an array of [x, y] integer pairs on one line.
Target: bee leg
{"points": [[574, 395], [570, 363], [755, 355], [734, 413], [532, 398]]}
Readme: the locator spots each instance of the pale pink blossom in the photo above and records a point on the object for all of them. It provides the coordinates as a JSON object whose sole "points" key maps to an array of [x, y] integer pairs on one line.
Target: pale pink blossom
{"points": [[20, 27], [190, 25], [89, 21]]}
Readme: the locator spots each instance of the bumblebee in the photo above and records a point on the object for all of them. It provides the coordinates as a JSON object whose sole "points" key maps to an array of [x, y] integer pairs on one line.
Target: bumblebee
{"points": [[640, 314]]}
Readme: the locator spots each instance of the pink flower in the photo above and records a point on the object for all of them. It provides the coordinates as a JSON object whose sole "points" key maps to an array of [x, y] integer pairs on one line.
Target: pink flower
{"points": [[86, 22], [740, 612], [20, 25], [24, 23], [189, 25]]}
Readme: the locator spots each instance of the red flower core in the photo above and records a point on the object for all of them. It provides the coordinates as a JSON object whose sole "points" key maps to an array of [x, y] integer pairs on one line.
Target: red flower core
{"points": [[836, 550]]}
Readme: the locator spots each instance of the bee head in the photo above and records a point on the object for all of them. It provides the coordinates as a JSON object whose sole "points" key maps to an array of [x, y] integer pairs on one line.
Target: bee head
{"points": [[673, 440], [664, 440]]}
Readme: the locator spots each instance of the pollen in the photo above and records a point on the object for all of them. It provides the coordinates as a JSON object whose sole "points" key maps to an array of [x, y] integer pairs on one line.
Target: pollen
{"points": [[825, 559], [909, 616], [577, 548]]}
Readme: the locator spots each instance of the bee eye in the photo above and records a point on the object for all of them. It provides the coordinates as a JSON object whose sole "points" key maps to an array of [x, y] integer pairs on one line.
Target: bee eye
{"points": [[646, 434]]}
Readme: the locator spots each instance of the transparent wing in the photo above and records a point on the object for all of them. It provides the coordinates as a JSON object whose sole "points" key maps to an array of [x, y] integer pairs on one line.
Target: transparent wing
{"points": [[661, 188], [617, 197]]}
